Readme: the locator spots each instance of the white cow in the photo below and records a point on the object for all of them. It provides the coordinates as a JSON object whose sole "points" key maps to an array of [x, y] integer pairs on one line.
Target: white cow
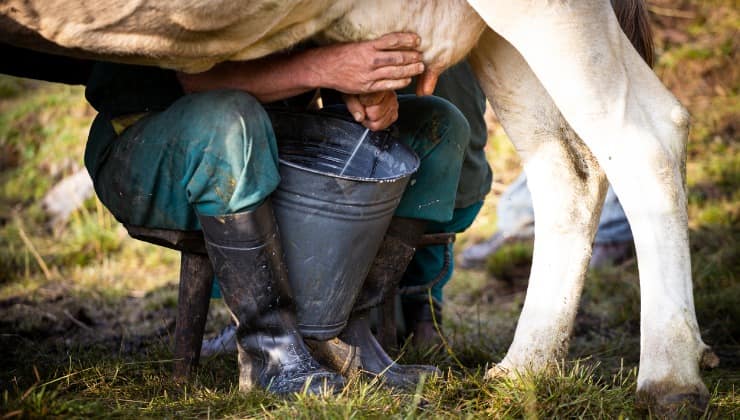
{"points": [[573, 95]]}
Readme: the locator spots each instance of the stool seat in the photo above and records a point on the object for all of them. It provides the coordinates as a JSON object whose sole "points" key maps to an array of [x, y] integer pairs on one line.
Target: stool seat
{"points": [[180, 240], [196, 281]]}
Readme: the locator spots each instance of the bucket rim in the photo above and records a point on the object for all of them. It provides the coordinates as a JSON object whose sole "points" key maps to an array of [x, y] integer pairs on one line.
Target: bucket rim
{"points": [[345, 120], [412, 169]]}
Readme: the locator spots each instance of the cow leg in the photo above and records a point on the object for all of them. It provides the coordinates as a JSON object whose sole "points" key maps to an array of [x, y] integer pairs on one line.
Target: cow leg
{"points": [[568, 189], [637, 131]]}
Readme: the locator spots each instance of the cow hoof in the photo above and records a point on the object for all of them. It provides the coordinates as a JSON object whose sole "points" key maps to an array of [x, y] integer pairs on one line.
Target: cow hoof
{"points": [[709, 360], [496, 372], [686, 403]]}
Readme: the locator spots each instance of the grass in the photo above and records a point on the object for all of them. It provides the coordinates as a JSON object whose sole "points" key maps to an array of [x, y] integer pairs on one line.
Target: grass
{"points": [[87, 314]]}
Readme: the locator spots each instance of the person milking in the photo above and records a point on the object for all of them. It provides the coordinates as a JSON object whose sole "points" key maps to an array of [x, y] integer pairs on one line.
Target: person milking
{"points": [[197, 152]]}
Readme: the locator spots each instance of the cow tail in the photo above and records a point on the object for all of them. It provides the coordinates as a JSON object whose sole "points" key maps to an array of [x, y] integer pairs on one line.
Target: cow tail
{"points": [[635, 22]]}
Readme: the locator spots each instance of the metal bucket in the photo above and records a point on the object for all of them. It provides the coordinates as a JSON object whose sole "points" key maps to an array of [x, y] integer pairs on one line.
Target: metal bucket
{"points": [[331, 226]]}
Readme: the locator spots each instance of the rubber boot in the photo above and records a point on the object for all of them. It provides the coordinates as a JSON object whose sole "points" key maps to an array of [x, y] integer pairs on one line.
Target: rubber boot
{"points": [[245, 251], [356, 349], [422, 321]]}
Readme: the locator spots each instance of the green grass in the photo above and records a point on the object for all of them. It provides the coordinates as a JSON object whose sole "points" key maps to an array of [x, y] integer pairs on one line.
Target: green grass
{"points": [[87, 313], [510, 262]]}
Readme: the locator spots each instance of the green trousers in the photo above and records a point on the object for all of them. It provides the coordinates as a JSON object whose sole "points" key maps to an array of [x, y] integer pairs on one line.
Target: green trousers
{"points": [[215, 153], [459, 86]]}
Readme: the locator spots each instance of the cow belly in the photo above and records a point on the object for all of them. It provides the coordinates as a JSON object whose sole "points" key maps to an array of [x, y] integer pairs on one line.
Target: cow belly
{"points": [[193, 35], [188, 35]]}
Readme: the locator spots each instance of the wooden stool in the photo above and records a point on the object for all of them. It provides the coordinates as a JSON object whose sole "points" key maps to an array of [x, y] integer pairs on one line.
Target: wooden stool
{"points": [[196, 280]]}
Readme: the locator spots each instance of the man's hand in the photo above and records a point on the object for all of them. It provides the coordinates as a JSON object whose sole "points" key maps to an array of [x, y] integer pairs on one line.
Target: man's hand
{"points": [[375, 111], [383, 64]]}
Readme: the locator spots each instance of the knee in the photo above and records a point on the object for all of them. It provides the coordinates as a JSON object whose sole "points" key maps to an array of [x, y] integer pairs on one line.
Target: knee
{"points": [[226, 101], [230, 121], [682, 119], [672, 122], [668, 154], [233, 159], [447, 122], [228, 110], [444, 125], [228, 131]]}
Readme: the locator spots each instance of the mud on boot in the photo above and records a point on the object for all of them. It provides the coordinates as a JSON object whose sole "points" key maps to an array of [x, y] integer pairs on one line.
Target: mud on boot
{"points": [[356, 350], [245, 251]]}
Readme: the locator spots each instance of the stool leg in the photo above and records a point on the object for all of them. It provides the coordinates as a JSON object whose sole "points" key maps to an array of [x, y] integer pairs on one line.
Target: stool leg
{"points": [[196, 280]]}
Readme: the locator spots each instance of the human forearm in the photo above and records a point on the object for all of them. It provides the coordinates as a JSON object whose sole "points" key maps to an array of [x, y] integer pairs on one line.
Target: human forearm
{"points": [[386, 63], [268, 79]]}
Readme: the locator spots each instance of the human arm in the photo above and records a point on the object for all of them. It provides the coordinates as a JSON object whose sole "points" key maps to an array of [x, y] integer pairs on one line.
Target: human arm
{"points": [[383, 64]]}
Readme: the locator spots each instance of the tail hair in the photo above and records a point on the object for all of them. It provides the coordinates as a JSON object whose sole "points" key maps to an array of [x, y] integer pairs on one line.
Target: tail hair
{"points": [[635, 22]]}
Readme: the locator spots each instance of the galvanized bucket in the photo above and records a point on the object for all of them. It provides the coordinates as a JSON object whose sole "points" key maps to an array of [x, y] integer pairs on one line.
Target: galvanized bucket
{"points": [[332, 225]]}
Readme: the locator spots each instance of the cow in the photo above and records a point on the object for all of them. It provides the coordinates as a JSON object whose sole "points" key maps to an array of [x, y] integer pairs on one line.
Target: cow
{"points": [[571, 92]]}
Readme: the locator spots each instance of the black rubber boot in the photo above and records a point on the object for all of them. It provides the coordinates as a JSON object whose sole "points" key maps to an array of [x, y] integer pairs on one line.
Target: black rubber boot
{"points": [[245, 251], [356, 349], [422, 322]]}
